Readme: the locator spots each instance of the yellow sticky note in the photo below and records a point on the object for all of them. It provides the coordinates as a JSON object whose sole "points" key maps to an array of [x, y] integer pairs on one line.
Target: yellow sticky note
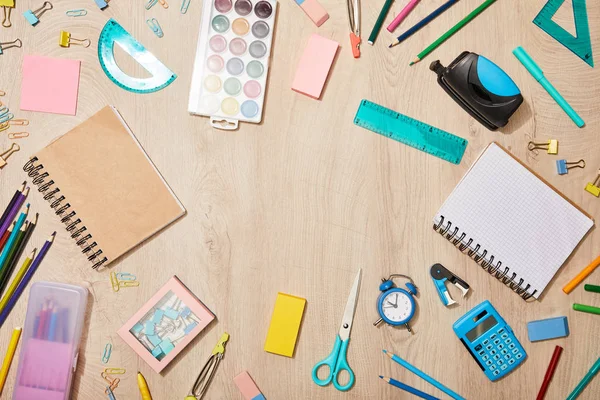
{"points": [[7, 3], [285, 324]]}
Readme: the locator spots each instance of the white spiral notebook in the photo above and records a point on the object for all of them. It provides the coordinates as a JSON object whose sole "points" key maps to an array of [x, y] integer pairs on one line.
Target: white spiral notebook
{"points": [[511, 222]]}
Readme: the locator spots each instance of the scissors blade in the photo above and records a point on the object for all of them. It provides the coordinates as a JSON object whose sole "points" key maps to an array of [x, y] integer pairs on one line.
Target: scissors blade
{"points": [[350, 308]]}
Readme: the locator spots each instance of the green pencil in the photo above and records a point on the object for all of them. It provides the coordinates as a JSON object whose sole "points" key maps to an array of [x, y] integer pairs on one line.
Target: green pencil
{"points": [[384, 12], [592, 288], [587, 309], [453, 30]]}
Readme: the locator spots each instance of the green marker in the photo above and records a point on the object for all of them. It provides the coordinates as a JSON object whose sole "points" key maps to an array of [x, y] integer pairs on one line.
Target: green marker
{"points": [[584, 382], [453, 30], [592, 288], [384, 12], [587, 309]]}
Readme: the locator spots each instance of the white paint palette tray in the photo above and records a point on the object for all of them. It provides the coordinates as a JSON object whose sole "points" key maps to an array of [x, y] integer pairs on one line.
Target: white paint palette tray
{"points": [[232, 61]]}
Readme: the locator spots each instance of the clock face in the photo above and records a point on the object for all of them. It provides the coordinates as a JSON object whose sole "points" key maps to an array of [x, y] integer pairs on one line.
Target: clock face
{"points": [[397, 306]]}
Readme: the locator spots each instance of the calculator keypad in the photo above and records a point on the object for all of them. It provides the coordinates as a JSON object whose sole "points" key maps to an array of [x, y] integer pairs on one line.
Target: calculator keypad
{"points": [[498, 352]]}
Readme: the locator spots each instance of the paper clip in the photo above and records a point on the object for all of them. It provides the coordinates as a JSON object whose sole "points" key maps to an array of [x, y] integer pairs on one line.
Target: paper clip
{"points": [[20, 122], [184, 6], [113, 383], [6, 117], [114, 281], [109, 392], [150, 4], [129, 284], [155, 26], [18, 135], [164, 3], [115, 371], [107, 353], [563, 167], [4, 126], [594, 187], [7, 45], [125, 276], [76, 13], [6, 21], [551, 146], [33, 17], [13, 149], [65, 40]]}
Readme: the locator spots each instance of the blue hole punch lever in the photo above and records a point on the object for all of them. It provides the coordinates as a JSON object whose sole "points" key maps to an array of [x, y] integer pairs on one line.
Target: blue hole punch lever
{"points": [[440, 276], [481, 88]]}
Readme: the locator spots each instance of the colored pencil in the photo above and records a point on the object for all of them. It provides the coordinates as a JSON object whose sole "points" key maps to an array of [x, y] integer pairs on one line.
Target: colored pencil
{"points": [[581, 276], [407, 388], [41, 331], [5, 275], [53, 324], [549, 372], [586, 309], [424, 376], [584, 382], [6, 235], [5, 270], [13, 237], [377, 27], [424, 22], [12, 202], [592, 288], [23, 284], [403, 14], [13, 212], [453, 30], [16, 280], [10, 354]]}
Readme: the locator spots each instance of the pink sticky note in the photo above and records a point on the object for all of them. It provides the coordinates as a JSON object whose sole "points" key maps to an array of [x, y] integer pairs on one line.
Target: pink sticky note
{"points": [[50, 85], [314, 66]]}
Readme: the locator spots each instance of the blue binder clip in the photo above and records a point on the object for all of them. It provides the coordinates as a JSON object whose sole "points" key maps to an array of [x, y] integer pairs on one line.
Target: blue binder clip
{"points": [[440, 275], [33, 17], [102, 4], [563, 167]]}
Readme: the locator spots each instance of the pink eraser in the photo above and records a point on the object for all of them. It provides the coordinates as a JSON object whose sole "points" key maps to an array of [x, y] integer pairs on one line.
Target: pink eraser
{"points": [[314, 10], [314, 66], [247, 386]]}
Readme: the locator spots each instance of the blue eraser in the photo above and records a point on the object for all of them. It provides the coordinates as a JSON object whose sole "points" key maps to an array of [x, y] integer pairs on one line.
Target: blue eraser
{"points": [[550, 328]]}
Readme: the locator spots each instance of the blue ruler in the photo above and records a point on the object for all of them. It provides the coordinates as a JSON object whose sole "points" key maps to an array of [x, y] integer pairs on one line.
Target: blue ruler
{"points": [[411, 132], [114, 33], [581, 44]]}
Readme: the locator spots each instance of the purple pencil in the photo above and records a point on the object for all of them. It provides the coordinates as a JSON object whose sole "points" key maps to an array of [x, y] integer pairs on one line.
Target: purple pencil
{"points": [[12, 203], [23, 284], [13, 212]]}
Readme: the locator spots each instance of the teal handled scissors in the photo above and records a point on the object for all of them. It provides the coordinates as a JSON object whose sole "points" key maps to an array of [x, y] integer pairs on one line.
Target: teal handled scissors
{"points": [[337, 361]]}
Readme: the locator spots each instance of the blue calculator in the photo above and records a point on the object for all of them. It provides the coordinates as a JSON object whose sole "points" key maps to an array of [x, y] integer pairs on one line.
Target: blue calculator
{"points": [[490, 341]]}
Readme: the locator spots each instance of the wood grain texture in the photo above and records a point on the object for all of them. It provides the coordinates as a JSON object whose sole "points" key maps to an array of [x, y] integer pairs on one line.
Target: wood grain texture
{"points": [[298, 203]]}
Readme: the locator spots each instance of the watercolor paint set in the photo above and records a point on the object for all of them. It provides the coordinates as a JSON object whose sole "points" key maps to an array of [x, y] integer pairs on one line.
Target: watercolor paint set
{"points": [[232, 61]]}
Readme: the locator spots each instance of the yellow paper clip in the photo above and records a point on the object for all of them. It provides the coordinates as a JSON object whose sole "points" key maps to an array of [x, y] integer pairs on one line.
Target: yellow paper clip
{"points": [[155, 26], [551, 146], [114, 281], [106, 354], [129, 284], [18, 135], [150, 4], [7, 45], [125, 276], [21, 122], [115, 371], [593, 187], [164, 3], [4, 126], [65, 40], [76, 13]]}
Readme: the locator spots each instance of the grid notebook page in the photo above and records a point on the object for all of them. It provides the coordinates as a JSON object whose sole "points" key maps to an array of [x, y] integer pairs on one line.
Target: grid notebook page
{"points": [[516, 217]]}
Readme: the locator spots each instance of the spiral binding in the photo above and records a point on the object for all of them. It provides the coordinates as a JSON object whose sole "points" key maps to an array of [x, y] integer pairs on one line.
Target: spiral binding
{"points": [[451, 234], [67, 215]]}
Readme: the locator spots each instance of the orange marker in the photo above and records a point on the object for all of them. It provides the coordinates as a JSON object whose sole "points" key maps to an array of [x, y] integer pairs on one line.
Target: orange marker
{"points": [[581, 276]]}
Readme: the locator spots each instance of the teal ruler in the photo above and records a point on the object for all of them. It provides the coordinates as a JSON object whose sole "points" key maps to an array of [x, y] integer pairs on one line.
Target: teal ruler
{"points": [[114, 33], [581, 44], [411, 132]]}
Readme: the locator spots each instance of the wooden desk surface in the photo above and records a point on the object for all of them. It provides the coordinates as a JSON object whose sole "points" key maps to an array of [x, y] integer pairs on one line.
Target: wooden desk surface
{"points": [[298, 203]]}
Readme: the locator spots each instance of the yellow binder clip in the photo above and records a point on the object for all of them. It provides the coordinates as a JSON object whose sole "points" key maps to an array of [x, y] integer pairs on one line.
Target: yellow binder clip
{"points": [[592, 187], [65, 40], [551, 146], [7, 10]]}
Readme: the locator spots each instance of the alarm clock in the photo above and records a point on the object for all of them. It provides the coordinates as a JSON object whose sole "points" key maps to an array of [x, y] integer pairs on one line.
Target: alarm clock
{"points": [[396, 306]]}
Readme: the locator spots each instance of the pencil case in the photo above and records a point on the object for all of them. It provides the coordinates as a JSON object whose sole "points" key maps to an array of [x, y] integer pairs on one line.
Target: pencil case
{"points": [[51, 337]]}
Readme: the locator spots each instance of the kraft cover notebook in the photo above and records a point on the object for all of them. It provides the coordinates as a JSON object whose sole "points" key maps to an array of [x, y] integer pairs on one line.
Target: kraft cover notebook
{"points": [[104, 187], [511, 222]]}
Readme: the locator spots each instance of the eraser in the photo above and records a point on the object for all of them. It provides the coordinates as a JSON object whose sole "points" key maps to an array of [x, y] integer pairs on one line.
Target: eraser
{"points": [[315, 11], [285, 324], [550, 328], [247, 386], [314, 66]]}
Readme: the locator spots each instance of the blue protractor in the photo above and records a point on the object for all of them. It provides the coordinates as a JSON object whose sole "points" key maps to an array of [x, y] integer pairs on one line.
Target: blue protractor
{"points": [[114, 33]]}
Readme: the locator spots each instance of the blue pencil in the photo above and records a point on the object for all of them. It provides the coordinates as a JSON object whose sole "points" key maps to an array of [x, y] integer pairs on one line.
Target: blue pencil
{"points": [[424, 376], [13, 237], [424, 22], [407, 388]]}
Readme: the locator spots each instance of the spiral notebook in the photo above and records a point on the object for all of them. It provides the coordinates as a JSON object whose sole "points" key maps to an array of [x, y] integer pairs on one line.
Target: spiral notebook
{"points": [[511, 222], [104, 187]]}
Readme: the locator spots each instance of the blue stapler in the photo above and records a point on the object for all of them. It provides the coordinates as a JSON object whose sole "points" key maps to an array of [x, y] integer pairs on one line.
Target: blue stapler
{"points": [[440, 275]]}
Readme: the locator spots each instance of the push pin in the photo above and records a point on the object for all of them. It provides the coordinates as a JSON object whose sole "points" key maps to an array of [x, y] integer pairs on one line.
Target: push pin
{"points": [[102, 4], [592, 187], [155, 26], [7, 45], [563, 167], [33, 17], [4, 156], [551, 147], [65, 40]]}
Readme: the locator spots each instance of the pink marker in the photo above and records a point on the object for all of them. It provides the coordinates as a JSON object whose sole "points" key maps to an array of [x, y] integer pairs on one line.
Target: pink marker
{"points": [[400, 17]]}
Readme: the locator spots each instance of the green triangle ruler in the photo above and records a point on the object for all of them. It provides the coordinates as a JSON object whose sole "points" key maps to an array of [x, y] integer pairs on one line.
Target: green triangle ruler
{"points": [[580, 44], [114, 33]]}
